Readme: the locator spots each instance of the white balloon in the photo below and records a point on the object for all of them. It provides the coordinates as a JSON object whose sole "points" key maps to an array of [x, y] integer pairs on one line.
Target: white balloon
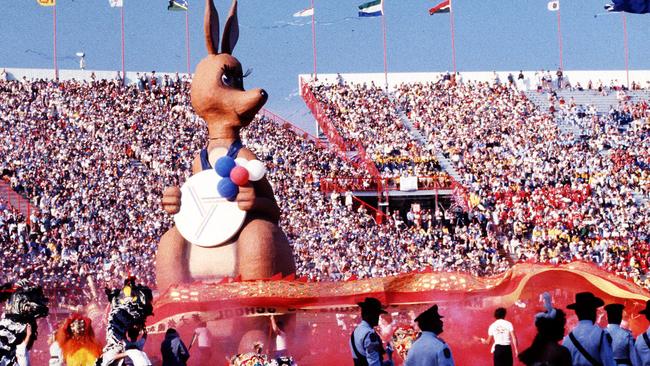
{"points": [[256, 170], [241, 162]]}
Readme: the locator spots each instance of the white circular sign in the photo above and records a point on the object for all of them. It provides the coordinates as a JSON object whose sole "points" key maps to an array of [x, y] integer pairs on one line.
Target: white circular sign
{"points": [[205, 218]]}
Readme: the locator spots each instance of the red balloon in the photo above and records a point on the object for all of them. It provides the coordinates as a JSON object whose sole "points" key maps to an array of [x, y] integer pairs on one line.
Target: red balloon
{"points": [[239, 175]]}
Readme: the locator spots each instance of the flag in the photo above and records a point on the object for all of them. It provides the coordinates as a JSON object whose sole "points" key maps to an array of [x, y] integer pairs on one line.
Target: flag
{"points": [[443, 7], [371, 9], [177, 5], [304, 13], [553, 5], [116, 3], [46, 2], [630, 6]]}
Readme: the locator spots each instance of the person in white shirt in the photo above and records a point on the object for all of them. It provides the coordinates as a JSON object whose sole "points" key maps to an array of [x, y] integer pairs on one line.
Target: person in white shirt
{"points": [[22, 350], [56, 354], [202, 338], [280, 338], [503, 334]]}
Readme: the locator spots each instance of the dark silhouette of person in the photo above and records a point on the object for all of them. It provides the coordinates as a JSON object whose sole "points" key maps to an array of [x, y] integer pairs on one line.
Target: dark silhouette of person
{"points": [[545, 350], [173, 350]]}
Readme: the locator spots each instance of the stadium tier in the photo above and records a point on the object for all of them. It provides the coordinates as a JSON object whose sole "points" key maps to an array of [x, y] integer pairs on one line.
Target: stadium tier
{"points": [[532, 176]]}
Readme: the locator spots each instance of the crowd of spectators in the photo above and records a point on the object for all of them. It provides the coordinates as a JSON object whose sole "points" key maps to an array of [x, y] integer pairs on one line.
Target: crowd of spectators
{"points": [[365, 114], [546, 198], [94, 157]]}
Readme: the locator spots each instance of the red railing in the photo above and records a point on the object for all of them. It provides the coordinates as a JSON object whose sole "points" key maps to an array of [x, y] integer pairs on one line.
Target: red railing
{"points": [[329, 129], [286, 124], [377, 214], [367, 184], [15, 201]]}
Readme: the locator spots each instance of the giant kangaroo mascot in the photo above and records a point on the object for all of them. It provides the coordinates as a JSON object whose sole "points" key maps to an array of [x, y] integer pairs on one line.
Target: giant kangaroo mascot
{"points": [[260, 249]]}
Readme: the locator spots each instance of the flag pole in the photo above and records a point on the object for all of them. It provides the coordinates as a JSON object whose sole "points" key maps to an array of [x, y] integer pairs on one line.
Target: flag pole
{"points": [[122, 32], [313, 37], [187, 39], [383, 25], [56, 66], [559, 38], [627, 50], [453, 43]]}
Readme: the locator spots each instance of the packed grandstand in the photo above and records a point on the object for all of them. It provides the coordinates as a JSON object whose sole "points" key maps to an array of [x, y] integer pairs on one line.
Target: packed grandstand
{"points": [[535, 176]]}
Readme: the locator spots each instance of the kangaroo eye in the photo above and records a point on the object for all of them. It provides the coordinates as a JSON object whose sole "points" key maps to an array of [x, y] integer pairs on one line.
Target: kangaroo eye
{"points": [[227, 80]]}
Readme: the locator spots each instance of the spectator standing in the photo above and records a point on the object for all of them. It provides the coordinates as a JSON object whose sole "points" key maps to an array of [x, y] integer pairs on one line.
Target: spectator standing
{"points": [[173, 350]]}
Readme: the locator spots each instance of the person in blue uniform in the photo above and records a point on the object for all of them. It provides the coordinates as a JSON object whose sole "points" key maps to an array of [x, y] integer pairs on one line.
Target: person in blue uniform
{"points": [[429, 349], [587, 342], [621, 339], [642, 344], [365, 344]]}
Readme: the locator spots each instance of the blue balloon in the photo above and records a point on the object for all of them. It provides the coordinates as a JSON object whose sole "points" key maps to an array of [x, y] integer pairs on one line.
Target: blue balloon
{"points": [[224, 165], [227, 189]]}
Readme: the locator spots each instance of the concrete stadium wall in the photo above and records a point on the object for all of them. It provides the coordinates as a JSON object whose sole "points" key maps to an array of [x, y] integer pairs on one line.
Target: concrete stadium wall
{"points": [[618, 77], [16, 74]]}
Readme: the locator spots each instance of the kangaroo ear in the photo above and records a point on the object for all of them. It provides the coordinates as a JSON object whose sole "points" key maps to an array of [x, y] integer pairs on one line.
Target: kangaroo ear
{"points": [[231, 30], [211, 28]]}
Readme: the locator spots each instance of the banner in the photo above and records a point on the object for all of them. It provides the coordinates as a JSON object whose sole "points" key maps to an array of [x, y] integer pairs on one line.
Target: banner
{"points": [[304, 13], [408, 184], [442, 8], [177, 5], [371, 9], [630, 6], [46, 2]]}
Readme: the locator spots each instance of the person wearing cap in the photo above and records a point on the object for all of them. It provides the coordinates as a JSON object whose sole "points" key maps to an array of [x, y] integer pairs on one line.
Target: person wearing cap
{"points": [[642, 344], [621, 339], [429, 349], [587, 342], [365, 343]]}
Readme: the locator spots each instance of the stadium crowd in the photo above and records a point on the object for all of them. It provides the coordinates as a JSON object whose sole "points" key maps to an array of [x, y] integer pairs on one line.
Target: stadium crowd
{"points": [[79, 151], [547, 197], [365, 114], [95, 156]]}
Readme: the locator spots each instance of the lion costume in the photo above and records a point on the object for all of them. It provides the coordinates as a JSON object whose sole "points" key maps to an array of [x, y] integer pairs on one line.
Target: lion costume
{"points": [[77, 341]]}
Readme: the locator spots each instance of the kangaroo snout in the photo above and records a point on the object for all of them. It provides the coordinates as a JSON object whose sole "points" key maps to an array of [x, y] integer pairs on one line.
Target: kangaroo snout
{"points": [[251, 103]]}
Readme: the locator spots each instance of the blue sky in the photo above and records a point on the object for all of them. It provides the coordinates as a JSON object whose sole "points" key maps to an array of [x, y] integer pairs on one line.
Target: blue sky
{"points": [[490, 35]]}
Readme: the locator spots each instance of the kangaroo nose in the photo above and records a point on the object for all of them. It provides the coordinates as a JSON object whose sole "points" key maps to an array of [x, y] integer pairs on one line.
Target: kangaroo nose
{"points": [[264, 94]]}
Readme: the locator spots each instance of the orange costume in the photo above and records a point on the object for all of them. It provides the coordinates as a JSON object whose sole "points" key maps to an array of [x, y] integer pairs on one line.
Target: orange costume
{"points": [[77, 341]]}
